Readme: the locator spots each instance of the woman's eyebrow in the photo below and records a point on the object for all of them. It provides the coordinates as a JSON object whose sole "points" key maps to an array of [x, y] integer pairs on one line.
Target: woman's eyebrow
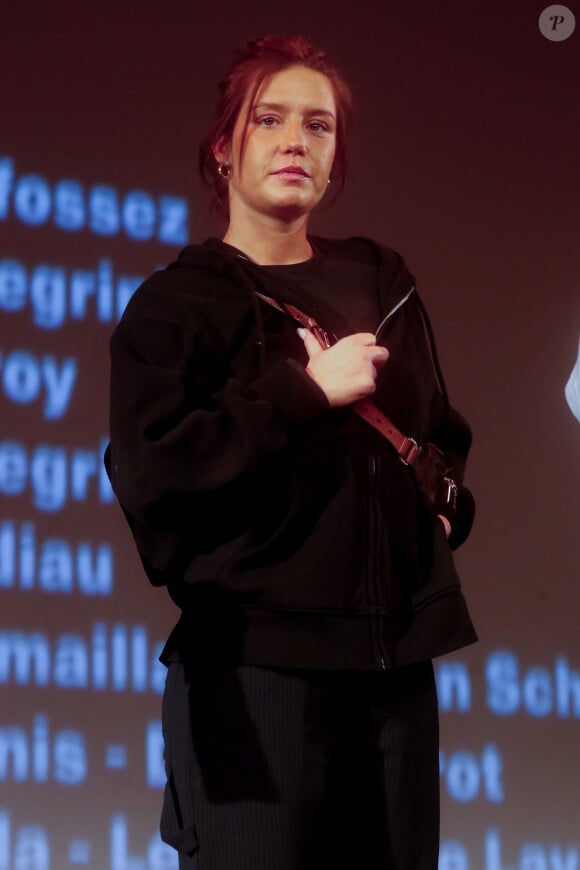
{"points": [[279, 107]]}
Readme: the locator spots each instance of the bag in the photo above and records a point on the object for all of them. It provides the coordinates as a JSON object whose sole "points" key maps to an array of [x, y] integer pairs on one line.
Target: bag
{"points": [[437, 487]]}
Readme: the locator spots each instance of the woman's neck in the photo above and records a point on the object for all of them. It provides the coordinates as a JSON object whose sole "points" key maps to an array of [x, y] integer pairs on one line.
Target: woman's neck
{"points": [[268, 243]]}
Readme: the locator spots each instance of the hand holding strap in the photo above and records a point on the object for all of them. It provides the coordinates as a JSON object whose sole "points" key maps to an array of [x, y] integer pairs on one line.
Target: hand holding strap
{"points": [[431, 471]]}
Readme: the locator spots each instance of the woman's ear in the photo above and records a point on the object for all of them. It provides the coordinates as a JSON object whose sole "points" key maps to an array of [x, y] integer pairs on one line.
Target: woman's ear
{"points": [[222, 151]]}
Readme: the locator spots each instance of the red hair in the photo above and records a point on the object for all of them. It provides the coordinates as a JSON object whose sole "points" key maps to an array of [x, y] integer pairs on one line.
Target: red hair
{"points": [[253, 63]]}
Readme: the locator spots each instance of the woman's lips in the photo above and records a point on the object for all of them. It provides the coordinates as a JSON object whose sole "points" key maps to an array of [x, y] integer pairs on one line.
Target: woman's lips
{"points": [[291, 173]]}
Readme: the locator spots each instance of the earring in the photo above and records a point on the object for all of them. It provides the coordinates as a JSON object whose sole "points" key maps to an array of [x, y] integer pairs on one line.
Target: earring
{"points": [[329, 180], [225, 170]]}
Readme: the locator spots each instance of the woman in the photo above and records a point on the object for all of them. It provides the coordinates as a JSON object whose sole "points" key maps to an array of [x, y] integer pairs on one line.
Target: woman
{"points": [[310, 563]]}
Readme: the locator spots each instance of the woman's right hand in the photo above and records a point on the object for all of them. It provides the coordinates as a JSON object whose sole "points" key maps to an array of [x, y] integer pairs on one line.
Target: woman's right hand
{"points": [[347, 371]]}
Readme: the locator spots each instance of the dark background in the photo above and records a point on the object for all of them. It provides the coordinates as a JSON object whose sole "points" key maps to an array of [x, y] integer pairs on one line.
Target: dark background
{"points": [[464, 157]]}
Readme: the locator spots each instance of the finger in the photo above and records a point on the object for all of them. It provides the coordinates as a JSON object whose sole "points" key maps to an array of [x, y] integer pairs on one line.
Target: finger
{"points": [[446, 524], [379, 356], [310, 342], [365, 338]]}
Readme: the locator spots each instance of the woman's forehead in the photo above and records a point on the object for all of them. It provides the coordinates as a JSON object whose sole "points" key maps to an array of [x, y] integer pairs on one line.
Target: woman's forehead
{"points": [[295, 87]]}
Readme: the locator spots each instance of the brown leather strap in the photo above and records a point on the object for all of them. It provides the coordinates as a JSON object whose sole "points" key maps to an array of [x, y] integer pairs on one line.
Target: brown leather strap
{"points": [[406, 447], [304, 320]]}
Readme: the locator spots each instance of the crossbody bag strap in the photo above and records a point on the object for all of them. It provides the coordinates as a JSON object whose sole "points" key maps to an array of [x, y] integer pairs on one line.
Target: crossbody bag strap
{"points": [[407, 448]]}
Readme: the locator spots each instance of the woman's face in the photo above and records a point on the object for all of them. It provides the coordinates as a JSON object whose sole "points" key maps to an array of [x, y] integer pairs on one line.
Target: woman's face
{"points": [[289, 148]]}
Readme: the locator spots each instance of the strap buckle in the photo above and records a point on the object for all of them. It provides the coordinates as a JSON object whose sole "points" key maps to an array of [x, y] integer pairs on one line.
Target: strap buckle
{"points": [[451, 494], [409, 451]]}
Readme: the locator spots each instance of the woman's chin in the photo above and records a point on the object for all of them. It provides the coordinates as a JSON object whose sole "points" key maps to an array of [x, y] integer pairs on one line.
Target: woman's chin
{"points": [[292, 206]]}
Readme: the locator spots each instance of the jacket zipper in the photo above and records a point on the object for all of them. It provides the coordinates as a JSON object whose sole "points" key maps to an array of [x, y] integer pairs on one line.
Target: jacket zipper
{"points": [[393, 310], [372, 560], [383, 658]]}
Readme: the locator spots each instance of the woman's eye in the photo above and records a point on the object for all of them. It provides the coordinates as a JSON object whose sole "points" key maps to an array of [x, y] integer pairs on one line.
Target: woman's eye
{"points": [[267, 121], [318, 126]]}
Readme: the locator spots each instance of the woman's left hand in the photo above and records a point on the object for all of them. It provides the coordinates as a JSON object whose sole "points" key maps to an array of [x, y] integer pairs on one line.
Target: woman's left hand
{"points": [[446, 524]]}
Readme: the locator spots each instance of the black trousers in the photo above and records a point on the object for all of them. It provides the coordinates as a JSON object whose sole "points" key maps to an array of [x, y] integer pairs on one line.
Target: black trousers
{"points": [[300, 770]]}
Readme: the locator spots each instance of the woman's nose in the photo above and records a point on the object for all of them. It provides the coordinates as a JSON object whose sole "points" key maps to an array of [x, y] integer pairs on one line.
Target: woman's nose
{"points": [[294, 141]]}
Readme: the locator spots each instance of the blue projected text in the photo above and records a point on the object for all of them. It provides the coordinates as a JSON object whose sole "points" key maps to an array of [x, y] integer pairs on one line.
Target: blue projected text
{"points": [[55, 295], [54, 475], [102, 210], [25, 378]]}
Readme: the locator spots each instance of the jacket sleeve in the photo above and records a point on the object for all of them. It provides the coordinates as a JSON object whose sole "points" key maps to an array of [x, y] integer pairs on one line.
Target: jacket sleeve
{"points": [[454, 439], [184, 433]]}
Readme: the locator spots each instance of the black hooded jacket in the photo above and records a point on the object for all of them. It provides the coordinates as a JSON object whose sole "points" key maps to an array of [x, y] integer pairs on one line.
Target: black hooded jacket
{"points": [[289, 533]]}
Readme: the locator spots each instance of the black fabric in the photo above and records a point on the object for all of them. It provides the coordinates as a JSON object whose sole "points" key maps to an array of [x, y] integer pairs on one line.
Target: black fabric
{"points": [[282, 770], [344, 292], [287, 532], [349, 287]]}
